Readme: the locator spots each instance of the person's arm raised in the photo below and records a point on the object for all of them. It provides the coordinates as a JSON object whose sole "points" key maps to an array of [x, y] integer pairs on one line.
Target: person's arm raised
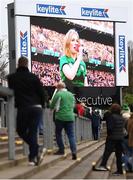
{"points": [[70, 72]]}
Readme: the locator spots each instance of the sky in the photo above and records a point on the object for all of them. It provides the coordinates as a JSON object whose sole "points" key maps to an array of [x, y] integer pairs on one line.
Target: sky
{"points": [[3, 17], [4, 26]]}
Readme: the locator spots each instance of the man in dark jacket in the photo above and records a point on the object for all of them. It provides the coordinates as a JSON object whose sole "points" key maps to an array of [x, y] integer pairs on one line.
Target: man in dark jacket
{"points": [[96, 121], [115, 135], [29, 100]]}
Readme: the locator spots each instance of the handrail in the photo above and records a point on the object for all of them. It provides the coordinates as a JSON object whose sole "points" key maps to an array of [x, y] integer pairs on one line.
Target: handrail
{"points": [[8, 93], [4, 91]]}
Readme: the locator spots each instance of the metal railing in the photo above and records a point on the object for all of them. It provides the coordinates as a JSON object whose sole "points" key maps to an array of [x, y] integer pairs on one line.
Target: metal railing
{"points": [[9, 112], [83, 130]]}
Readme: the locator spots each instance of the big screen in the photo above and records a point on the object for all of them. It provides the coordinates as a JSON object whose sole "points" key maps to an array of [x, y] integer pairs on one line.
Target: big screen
{"points": [[47, 34]]}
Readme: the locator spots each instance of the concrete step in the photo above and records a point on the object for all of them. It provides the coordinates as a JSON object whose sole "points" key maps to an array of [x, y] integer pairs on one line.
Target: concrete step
{"points": [[113, 169], [5, 163], [101, 174], [18, 141], [4, 144], [129, 175], [24, 171], [69, 169], [4, 152], [19, 146]]}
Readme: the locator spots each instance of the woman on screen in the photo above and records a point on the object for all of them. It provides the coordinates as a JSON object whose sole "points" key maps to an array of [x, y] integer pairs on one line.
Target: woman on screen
{"points": [[72, 67]]}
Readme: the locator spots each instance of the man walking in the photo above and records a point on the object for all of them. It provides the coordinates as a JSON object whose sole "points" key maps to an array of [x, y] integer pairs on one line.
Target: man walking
{"points": [[63, 102], [29, 100]]}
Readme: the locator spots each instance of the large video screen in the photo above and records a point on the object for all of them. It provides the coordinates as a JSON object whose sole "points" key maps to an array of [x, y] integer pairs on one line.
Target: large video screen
{"points": [[98, 38]]}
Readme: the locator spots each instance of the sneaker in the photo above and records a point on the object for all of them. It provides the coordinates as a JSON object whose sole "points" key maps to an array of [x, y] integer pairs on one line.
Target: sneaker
{"points": [[102, 168], [74, 156], [41, 153], [32, 163], [59, 152], [117, 173]]}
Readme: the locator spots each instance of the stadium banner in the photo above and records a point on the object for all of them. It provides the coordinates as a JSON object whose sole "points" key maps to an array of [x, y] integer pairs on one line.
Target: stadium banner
{"points": [[121, 55], [23, 37], [94, 10]]}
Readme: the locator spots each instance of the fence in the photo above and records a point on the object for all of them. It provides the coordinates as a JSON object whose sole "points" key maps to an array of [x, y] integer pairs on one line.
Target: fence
{"points": [[83, 129]]}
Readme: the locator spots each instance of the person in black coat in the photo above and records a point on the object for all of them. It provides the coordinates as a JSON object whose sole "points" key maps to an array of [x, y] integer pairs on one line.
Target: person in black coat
{"points": [[96, 121], [29, 100], [115, 135]]}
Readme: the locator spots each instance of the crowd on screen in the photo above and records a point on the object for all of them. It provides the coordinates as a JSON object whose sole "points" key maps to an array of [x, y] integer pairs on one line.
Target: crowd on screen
{"points": [[105, 25], [49, 75], [100, 78], [42, 38]]}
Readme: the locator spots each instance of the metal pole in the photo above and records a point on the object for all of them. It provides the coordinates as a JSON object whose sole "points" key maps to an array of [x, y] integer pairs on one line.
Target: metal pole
{"points": [[11, 127], [121, 100], [48, 128], [2, 111]]}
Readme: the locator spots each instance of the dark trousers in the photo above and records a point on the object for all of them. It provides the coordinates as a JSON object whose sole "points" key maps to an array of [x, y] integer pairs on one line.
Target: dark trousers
{"points": [[126, 149], [41, 125], [27, 127], [69, 129], [95, 132], [110, 146]]}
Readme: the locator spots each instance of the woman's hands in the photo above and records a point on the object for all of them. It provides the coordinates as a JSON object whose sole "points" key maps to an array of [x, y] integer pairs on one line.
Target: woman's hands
{"points": [[80, 53]]}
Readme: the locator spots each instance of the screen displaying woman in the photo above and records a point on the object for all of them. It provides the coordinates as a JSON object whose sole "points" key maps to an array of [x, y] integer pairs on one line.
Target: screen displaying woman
{"points": [[72, 67]]}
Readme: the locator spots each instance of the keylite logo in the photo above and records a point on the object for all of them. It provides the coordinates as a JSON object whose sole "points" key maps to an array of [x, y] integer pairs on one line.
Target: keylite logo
{"points": [[122, 61], [50, 9], [23, 44], [94, 12]]}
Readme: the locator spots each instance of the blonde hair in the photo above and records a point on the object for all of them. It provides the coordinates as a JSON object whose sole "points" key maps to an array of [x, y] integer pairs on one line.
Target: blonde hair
{"points": [[67, 40], [60, 85]]}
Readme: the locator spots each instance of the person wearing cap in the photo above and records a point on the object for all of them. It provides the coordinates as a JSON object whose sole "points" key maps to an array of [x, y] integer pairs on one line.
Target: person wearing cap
{"points": [[96, 122], [63, 102], [29, 100], [125, 111]]}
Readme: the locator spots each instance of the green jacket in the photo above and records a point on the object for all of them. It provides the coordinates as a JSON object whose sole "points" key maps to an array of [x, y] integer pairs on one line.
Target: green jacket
{"points": [[63, 102]]}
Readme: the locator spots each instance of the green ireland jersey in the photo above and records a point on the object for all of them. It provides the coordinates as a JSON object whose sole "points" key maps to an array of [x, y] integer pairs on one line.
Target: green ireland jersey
{"points": [[81, 73]]}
